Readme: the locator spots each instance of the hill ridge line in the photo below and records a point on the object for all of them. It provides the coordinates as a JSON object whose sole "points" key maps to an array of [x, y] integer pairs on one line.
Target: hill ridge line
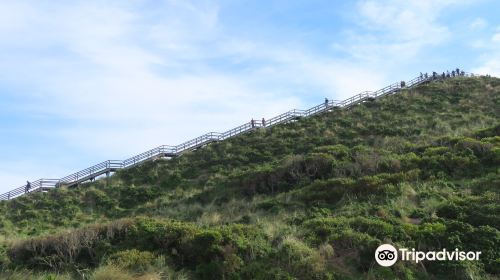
{"points": [[166, 151]]}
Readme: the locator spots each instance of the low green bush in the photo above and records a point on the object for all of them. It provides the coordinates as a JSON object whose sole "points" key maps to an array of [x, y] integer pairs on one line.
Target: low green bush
{"points": [[132, 259]]}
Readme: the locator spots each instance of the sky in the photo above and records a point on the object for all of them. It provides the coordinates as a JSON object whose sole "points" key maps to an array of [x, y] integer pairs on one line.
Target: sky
{"points": [[86, 81]]}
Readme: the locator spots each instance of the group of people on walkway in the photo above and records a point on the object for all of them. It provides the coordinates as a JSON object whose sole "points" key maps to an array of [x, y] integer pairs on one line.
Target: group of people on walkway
{"points": [[425, 76], [454, 73]]}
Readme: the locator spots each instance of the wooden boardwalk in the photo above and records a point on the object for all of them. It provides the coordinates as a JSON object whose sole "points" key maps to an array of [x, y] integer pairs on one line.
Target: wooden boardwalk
{"points": [[165, 151]]}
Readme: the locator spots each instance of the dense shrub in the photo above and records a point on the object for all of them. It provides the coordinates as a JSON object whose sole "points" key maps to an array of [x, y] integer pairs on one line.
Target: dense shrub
{"points": [[132, 260], [187, 245]]}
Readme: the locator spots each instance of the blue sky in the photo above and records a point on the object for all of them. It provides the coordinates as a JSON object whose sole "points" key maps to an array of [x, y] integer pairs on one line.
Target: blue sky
{"points": [[86, 81]]}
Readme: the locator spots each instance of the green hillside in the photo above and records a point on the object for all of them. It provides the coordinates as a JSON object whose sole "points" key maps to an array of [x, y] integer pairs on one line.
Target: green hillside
{"points": [[311, 199]]}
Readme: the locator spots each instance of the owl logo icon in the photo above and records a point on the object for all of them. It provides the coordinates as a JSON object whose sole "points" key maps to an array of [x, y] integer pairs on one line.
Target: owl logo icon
{"points": [[386, 255]]}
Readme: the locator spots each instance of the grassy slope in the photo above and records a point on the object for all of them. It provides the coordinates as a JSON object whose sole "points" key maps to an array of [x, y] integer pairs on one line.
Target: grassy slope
{"points": [[308, 199]]}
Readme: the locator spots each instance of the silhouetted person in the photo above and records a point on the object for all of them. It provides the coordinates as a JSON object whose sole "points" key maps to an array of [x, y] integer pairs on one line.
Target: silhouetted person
{"points": [[462, 73], [453, 73], [403, 84], [434, 75], [443, 75], [252, 122], [263, 122], [457, 71], [421, 76], [326, 102], [28, 187]]}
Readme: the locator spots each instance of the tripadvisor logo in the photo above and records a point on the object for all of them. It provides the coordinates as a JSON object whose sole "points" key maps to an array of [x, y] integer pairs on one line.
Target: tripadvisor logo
{"points": [[387, 255]]}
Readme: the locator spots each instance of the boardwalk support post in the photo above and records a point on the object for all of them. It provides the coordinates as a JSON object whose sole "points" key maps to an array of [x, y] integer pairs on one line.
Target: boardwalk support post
{"points": [[107, 178]]}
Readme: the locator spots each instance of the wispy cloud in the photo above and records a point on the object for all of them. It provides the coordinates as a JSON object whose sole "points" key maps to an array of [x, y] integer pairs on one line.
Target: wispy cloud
{"points": [[392, 32], [490, 57], [478, 24]]}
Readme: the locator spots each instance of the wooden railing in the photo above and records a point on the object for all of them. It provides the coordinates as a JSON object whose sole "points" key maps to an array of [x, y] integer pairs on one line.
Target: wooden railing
{"points": [[109, 166], [35, 186]]}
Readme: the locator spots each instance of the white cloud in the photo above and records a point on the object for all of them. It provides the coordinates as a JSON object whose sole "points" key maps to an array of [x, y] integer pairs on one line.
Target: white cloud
{"points": [[478, 24], [396, 31], [490, 57], [491, 66], [409, 20], [496, 38]]}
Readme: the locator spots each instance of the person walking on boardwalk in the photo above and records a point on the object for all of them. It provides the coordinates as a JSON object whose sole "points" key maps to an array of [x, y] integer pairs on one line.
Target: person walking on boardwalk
{"points": [[403, 84], [326, 102], [28, 187], [252, 123], [263, 122]]}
